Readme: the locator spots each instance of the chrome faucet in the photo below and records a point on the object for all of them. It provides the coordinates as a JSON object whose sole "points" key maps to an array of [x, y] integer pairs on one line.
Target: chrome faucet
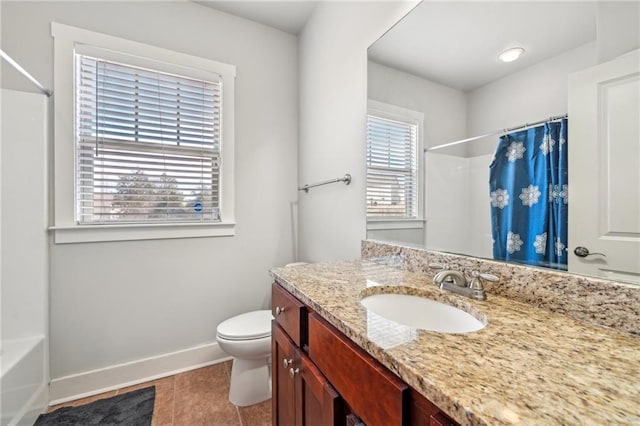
{"points": [[456, 282], [450, 277]]}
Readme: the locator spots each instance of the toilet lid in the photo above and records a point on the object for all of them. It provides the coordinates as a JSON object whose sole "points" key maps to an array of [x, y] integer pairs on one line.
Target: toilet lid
{"points": [[252, 325]]}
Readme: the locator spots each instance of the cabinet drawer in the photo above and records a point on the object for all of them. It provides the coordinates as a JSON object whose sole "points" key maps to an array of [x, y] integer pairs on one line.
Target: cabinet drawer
{"points": [[290, 313], [377, 396]]}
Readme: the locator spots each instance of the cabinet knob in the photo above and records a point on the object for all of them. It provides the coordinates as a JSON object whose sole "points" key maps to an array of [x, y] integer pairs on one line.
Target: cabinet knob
{"points": [[287, 362], [293, 372], [279, 310]]}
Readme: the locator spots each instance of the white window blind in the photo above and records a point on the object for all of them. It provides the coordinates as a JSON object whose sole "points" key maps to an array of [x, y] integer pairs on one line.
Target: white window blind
{"points": [[392, 189], [147, 145]]}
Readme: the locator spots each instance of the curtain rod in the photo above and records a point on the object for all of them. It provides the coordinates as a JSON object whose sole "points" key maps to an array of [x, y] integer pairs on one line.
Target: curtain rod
{"points": [[24, 72], [499, 132]]}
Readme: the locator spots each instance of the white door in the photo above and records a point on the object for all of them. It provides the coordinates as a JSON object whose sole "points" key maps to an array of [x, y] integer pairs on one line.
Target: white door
{"points": [[604, 169]]}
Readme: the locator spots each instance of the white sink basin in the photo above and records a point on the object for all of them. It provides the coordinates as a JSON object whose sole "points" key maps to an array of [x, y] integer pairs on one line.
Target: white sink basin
{"points": [[422, 313]]}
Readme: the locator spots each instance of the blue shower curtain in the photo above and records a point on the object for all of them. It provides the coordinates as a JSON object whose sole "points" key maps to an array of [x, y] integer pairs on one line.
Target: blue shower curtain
{"points": [[529, 196]]}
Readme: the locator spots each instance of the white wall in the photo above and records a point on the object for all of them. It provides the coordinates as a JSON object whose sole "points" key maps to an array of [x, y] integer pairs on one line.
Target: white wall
{"points": [[444, 108], [445, 116], [333, 108], [534, 93], [118, 302]]}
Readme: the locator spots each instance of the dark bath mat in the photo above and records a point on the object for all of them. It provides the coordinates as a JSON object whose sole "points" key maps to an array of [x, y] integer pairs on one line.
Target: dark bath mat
{"points": [[130, 409]]}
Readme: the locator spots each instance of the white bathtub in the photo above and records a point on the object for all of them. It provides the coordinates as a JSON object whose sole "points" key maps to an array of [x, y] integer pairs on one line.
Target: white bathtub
{"points": [[23, 390]]}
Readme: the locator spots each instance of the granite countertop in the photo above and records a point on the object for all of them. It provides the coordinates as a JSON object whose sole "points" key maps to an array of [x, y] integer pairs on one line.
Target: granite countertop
{"points": [[527, 366]]}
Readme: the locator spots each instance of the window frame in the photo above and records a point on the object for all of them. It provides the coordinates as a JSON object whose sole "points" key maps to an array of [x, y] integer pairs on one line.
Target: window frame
{"points": [[65, 228], [397, 113]]}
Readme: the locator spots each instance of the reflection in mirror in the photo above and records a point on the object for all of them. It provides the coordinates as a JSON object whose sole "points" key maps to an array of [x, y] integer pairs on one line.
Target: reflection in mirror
{"points": [[441, 63]]}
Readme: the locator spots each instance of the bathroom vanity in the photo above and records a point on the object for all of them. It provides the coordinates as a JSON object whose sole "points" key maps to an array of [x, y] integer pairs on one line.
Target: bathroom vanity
{"points": [[335, 362], [320, 377]]}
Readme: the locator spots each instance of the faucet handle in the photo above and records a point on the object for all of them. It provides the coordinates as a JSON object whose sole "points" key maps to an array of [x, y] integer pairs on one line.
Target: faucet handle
{"points": [[477, 277], [489, 277]]}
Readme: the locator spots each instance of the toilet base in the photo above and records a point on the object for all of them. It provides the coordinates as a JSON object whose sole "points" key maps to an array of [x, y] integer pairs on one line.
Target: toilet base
{"points": [[250, 381]]}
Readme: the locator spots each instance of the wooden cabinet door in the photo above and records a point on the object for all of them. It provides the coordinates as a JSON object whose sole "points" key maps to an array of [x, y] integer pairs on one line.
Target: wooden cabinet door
{"points": [[321, 404], [372, 392], [301, 394], [425, 413], [440, 419], [283, 354]]}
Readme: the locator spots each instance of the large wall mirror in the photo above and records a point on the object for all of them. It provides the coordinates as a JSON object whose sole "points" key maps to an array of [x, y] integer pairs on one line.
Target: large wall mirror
{"points": [[449, 122]]}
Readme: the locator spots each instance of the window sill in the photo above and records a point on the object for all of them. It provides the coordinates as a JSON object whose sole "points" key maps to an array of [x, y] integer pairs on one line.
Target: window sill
{"points": [[379, 224], [133, 232]]}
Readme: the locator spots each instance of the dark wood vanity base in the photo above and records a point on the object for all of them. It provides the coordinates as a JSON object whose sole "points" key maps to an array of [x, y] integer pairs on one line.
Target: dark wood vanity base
{"points": [[320, 377]]}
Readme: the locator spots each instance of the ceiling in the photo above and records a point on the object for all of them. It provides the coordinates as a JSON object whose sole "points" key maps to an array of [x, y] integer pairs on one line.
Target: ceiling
{"points": [[457, 43], [286, 15]]}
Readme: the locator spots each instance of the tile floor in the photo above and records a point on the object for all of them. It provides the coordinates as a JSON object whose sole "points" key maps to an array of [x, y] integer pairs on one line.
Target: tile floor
{"points": [[194, 398]]}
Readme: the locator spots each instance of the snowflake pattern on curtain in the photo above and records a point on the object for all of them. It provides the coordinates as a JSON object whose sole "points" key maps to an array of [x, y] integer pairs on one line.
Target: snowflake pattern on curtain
{"points": [[529, 196]]}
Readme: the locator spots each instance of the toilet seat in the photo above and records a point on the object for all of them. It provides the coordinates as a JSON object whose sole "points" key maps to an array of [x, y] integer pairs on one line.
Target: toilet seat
{"points": [[249, 326]]}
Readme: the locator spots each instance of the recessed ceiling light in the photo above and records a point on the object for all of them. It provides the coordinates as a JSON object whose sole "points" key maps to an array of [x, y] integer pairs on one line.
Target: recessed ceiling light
{"points": [[511, 55]]}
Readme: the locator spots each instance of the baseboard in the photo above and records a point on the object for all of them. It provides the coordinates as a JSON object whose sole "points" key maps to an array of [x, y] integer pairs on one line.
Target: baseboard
{"points": [[93, 382]]}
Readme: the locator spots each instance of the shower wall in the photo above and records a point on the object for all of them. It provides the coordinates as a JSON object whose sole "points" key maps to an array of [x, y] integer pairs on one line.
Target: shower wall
{"points": [[457, 204], [24, 360], [480, 242]]}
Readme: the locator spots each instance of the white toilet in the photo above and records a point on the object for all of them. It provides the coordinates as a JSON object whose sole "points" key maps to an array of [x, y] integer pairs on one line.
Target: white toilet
{"points": [[247, 337]]}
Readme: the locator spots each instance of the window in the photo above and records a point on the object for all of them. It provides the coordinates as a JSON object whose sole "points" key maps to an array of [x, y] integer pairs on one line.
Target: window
{"points": [[392, 164], [147, 145], [143, 141]]}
